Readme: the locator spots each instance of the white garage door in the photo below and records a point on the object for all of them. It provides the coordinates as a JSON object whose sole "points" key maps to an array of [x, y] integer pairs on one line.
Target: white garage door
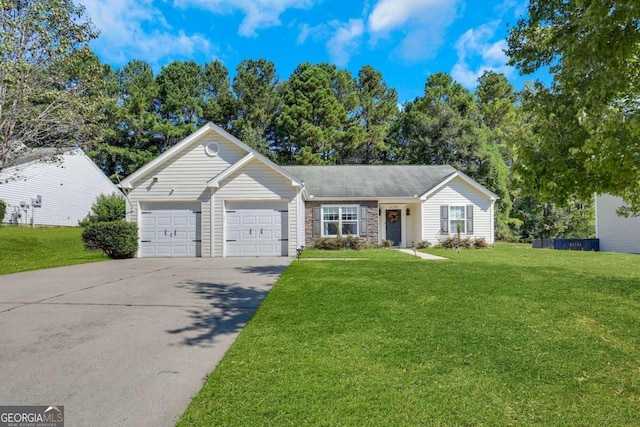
{"points": [[170, 231], [257, 229]]}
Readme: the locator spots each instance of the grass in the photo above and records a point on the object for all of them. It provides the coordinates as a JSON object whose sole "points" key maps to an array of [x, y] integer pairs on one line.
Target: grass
{"points": [[24, 249], [506, 336]]}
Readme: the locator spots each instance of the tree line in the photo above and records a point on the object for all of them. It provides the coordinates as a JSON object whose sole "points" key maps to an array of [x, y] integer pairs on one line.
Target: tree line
{"points": [[324, 115]]}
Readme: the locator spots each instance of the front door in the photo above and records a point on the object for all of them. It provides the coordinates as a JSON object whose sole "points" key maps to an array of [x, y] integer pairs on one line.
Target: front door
{"points": [[394, 226]]}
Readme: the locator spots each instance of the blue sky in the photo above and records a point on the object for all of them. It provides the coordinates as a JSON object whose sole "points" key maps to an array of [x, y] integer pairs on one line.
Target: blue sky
{"points": [[406, 40]]}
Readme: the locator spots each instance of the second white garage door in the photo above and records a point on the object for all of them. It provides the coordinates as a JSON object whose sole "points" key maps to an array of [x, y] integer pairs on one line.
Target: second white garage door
{"points": [[256, 229]]}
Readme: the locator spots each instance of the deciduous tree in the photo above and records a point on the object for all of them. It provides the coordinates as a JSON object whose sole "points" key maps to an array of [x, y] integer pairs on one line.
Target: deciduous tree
{"points": [[587, 122], [46, 83]]}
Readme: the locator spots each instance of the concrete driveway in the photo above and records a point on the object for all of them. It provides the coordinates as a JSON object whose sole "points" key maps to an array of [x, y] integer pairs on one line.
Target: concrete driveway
{"points": [[125, 343]]}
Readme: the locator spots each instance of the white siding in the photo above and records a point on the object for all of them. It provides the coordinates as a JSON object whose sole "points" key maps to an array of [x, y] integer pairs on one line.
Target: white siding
{"points": [[458, 192], [256, 182], [616, 234], [68, 189], [413, 225], [184, 179]]}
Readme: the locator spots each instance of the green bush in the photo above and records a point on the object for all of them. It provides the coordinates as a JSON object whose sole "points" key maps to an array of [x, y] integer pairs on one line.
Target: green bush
{"points": [[356, 243], [3, 210], [106, 208], [480, 243], [423, 245], [118, 239], [451, 242], [387, 243], [337, 243]]}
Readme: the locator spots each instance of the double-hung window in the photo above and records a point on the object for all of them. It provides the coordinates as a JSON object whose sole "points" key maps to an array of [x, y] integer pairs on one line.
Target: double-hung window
{"points": [[457, 219], [339, 220]]}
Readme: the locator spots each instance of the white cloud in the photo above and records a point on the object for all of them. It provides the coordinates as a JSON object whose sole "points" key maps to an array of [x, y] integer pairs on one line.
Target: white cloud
{"points": [[258, 13], [316, 32], [423, 21], [346, 38], [123, 35], [515, 8], [475, 46]]}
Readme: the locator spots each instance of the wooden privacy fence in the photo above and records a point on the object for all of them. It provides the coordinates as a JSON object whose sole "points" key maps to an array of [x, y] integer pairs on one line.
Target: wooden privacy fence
{"points": [[567, 244]]}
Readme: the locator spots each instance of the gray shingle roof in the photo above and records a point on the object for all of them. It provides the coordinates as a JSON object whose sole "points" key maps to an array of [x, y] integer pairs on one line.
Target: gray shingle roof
{"points": [[362, 181]]}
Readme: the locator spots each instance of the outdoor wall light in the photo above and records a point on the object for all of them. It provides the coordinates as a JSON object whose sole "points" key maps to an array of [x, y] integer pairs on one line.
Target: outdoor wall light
{"points": [[408, 212]]}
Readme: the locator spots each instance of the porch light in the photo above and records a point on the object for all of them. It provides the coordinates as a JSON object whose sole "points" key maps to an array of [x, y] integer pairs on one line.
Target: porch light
{"points": [[408, 212]]}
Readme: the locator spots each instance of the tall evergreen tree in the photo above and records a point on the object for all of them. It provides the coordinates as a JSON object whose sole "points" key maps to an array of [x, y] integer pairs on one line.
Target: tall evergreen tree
{"points": [[312, 118], [496, 99], [133, 119], [181, 100], [218, 102], [376, 111], [444, 127], [257, 102]]}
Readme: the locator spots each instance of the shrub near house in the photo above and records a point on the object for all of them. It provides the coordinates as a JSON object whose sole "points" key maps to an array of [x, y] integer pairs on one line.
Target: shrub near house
{"points": [[118, 239], [106, 229]]}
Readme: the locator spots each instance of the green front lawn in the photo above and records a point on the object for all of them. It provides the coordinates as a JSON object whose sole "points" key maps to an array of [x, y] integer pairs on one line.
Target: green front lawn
{"points": [[506, 336], [24, 249]]}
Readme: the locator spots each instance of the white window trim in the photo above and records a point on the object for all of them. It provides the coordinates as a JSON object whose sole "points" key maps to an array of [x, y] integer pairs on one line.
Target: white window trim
{"points": [[323, 221], [452, 229]]}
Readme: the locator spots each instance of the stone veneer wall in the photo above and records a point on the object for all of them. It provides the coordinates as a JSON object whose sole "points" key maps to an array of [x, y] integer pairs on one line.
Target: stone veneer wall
{"points": [[372, 220]]}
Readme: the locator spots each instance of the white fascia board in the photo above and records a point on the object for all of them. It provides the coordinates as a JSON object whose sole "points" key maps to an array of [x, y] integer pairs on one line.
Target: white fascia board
{"points": [[466, 179], [215, 182]]}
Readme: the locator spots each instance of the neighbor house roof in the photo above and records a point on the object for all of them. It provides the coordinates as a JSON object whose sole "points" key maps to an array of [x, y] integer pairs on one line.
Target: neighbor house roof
{"points": [[384, 181], [28, 155]]}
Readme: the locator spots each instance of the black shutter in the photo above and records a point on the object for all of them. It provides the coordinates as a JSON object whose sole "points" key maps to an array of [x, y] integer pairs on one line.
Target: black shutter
{"points": [[469, 219], [363, 221], [317, 223], [444, 218]]}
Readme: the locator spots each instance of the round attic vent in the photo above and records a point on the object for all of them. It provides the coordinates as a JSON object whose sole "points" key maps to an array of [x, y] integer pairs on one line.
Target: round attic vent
{"points": [[212, 149]]}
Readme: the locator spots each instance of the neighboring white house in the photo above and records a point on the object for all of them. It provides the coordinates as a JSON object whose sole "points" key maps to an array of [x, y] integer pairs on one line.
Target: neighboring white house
{"points": [[60, 192], [211, 195], [616, 233]]}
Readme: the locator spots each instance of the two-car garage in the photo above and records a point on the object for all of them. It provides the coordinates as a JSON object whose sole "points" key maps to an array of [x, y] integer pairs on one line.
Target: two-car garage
{"points": [[211, 195], [250, 229]]}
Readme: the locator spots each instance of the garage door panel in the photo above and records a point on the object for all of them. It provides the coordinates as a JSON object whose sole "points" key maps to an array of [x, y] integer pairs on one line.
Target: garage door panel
{"points": [[180, 221], [255, 229], [248, 235], [247, 220], [163, 221], [266, 220]]}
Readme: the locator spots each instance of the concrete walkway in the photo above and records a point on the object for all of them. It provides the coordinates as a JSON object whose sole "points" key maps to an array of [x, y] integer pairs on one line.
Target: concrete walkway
{"points": [[124, 343], [420, 254]]}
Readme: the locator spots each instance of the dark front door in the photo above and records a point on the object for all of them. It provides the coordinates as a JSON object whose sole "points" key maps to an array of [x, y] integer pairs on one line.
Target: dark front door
{"points": [[394, 226]]}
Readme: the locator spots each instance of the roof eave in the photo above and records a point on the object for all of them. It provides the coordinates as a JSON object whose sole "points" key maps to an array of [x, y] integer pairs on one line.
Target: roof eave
{"points": [[465, 178]]}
